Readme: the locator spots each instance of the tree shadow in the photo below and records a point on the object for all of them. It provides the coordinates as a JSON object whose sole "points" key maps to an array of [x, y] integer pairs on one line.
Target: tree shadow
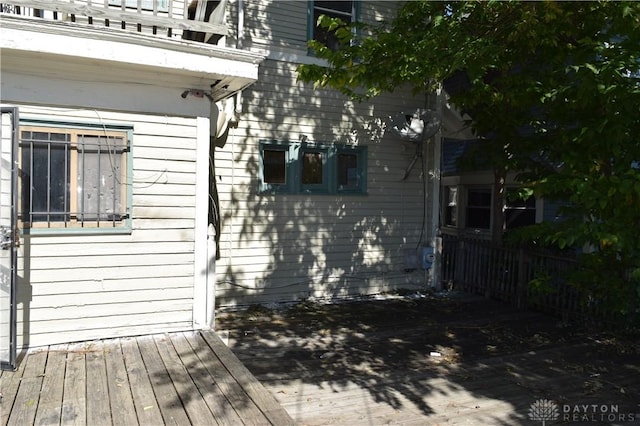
{"points": [[286, 247], [444, 359]]}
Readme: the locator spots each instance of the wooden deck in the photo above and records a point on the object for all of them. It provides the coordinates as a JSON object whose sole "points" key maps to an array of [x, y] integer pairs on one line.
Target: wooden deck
{"points": [[177, 379], [468, 361]]}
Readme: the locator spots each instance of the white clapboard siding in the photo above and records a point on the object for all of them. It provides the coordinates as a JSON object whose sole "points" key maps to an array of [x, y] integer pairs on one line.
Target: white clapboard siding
{"points": [[84, 286], [284, 247], [99, 273], [75, 330], [110, 285], [275, 24], [119, 302]]}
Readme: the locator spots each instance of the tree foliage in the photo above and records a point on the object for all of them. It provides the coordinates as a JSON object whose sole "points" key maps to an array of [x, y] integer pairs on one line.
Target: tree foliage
{"points": [[554, 89]]}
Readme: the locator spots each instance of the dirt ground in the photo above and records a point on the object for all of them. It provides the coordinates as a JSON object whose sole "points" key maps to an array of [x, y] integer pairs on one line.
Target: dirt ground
{"points": [[447, 359]]}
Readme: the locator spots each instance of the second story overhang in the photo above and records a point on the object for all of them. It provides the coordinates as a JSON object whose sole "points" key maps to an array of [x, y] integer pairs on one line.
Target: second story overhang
{"points": [[33, 48]]}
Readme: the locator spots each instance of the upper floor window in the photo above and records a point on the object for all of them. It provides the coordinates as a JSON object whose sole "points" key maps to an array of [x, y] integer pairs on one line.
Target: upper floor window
{"points": [[74, 177], [312, 168], [519, 212], [345, 10], [479, 208]]}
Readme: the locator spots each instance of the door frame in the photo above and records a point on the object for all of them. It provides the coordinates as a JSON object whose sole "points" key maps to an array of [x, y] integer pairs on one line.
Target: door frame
{"points": [[15, 123]]}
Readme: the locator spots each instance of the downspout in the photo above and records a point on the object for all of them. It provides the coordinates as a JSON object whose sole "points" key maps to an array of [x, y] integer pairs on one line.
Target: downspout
{"points": [[210, 304], [239, 45]]}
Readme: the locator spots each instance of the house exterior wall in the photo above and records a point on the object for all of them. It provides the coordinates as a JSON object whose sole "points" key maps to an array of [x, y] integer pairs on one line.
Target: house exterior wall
{"points": [[285, 247], [156, 275], [89, 285]]}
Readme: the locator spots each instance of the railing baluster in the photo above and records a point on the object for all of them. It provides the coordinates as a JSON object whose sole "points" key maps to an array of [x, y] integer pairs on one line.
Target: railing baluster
{"points": [[153, 17]]}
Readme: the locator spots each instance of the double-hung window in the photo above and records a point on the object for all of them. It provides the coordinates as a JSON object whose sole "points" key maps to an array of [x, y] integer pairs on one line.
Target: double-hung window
{"points": [[519, 212], [479, 208], [347, 11], [312, 168], [73, 177]]}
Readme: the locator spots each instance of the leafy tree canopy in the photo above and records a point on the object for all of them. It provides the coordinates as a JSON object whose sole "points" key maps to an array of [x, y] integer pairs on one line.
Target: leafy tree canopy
{"points": [[552, 87]]}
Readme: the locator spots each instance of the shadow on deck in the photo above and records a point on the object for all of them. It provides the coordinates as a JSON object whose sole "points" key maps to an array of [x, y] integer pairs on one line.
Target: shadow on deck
{"points": [[436, 360], [176, 378]]}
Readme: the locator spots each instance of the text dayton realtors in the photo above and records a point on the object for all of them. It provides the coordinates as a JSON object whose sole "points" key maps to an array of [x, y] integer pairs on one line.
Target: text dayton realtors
{"points": [[596, 413]]}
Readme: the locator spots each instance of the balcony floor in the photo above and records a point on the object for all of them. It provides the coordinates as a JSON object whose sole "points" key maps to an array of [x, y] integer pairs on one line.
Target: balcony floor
{"points": [[177, 378]]}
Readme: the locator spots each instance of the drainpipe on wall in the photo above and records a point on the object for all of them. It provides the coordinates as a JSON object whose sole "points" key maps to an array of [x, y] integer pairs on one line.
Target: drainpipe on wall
{"points": [[239, 45]]}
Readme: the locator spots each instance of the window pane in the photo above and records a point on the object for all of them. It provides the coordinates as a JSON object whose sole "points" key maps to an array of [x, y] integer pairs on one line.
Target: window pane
{"points": [[312, 168], [518, 218], [99, 178], [519, 212], [343, 6], [451, 210], [480, 198], [333, 9], [479, 209], [275, 171], [348, 171], [45, 176]]}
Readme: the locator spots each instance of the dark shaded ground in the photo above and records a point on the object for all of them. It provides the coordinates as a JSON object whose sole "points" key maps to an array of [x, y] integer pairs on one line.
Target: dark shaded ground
{"points": [[435, 360]]}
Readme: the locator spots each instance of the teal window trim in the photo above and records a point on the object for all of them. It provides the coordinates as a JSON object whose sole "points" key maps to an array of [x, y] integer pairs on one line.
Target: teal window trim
{"points": [[316, 150], [125, 225], [359, 173], [293, 159], [268, 185]]}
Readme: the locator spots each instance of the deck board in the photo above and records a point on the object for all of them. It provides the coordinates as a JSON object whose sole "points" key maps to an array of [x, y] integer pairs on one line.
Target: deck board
{"points": [[144, 400], [74, 404], [174, 378], [211, 393], [119, 386], [236, 396], [9, 383], [26, 401], [218, 400], [98, 409], [50, 405], [195, 407], [168, 400], [267, 402]]}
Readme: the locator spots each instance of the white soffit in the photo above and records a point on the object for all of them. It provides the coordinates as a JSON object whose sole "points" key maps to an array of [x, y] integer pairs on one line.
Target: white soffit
{"points": [[104, 46]]}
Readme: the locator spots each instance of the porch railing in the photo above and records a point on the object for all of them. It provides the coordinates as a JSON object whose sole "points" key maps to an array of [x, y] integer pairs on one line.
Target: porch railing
{"points": [[519, 276], [197, 20]]}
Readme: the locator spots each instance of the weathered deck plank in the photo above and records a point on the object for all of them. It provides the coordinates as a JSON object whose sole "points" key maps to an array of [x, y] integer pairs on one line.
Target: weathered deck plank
{"points": [[174, 379], [144, 400], [26, 402], [263, 399], [195, 407], [50, 405], [9, 383], [235, 394], [211, 393], [98, 409], [221, 407], [119, 386], [168, 400], [74, 405]]}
